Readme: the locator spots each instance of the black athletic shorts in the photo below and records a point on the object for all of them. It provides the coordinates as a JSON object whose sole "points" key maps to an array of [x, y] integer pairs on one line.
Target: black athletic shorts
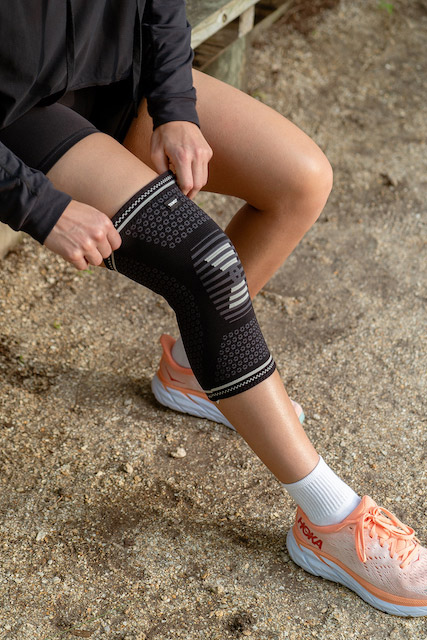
{"points": [[45, 133]]}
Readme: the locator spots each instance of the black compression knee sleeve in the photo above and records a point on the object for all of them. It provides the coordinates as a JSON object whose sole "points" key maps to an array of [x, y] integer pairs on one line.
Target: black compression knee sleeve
{"points": [[172, 247]]}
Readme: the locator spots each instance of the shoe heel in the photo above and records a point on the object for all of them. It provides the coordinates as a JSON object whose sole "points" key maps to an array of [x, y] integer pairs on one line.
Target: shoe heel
{"points": [[304, 558], [307, 560]]}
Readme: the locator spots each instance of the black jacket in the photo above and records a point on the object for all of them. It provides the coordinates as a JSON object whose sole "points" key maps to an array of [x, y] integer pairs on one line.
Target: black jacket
{"points": [[50, 47]]}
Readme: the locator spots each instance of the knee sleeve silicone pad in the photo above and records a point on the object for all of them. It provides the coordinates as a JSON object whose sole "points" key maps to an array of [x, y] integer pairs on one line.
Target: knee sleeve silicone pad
{"points": [[172, 247]]}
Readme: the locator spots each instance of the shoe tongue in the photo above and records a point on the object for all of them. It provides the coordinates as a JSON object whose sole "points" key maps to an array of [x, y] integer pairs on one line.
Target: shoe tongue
{"points": [[366, 503]]}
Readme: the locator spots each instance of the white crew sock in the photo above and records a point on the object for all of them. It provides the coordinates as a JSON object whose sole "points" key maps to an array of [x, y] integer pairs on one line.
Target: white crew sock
{"points": [[179, 355], [323, 496]]}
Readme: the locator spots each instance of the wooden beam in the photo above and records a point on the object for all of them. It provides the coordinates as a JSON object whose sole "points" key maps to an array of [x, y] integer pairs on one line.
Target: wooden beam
{"points": [[210, 16], [272, 14], [246, 21]]}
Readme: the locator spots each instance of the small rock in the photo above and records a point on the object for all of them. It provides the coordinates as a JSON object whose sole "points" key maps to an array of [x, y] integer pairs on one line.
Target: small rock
{"points": [[216, 588], [81, 633], [179, 453], [388, 180], [128, 468], [128, 542], [56, 580], [65, 469], [316, 416], [41, 535]]}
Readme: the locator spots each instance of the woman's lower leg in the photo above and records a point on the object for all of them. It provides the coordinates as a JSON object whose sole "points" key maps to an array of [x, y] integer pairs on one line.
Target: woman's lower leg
{"points": [[265, 418]]}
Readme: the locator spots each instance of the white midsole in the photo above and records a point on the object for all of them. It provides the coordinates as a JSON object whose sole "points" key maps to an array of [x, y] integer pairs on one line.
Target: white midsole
{"points": [[325, 568], [192, 404], [187, 403]]}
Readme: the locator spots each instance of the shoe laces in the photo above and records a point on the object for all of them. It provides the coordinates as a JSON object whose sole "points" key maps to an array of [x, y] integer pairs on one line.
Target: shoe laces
{"points": [[383, 525]]}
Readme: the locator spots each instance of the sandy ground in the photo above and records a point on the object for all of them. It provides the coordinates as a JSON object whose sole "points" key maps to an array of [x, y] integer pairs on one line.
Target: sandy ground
{"points": [[103, 533]]}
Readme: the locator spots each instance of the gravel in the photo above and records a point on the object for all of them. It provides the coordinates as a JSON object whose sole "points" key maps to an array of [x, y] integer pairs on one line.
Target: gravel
{"points": [[105, 533]]}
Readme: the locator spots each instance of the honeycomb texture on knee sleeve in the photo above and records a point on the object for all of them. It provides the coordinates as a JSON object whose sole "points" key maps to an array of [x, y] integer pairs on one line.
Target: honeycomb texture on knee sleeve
{"points": [[239, 350], [172, 247], [154, 227]]}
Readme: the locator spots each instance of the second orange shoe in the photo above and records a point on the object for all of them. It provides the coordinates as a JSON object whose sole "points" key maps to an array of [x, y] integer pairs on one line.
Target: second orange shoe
{"points": [[177, 388]]}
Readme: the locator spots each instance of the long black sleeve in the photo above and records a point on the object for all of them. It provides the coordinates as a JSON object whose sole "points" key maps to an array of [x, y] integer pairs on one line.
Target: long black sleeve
{"points": [[38, 70], [28, 200], [169, 87]]}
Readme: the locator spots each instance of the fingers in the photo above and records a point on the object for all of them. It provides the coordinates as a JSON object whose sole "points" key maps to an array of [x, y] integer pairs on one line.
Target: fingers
{"points": [[83, 236], [192, 170], [79, 262], [160, 160], [105, 240], [181, 145], [94, 257], [200, 177], [184, 171], [114, 240], [86, 256]]}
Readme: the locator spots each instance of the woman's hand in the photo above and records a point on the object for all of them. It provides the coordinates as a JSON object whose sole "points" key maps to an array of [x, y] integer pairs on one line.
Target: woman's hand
{"points": [[83, 236], [181, 146]]}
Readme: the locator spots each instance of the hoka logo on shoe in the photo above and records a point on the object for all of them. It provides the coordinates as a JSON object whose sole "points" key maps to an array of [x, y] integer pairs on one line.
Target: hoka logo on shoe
{"points": [[309, 534]]}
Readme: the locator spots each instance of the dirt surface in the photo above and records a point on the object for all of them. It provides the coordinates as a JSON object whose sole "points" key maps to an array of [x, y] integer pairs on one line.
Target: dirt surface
{"points": [[103, 534]]}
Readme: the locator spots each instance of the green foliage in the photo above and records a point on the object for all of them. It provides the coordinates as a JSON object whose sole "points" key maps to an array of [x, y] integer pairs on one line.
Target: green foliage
{"points": [[259, 95], [82, 272], [386, 6]]}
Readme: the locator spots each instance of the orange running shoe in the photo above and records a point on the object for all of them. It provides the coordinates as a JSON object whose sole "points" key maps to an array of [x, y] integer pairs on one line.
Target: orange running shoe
{"points": [[177, 388], [371, 552]]}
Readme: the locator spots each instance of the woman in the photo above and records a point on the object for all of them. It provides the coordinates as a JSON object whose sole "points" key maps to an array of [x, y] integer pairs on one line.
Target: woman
{"points": [[97, 103]]}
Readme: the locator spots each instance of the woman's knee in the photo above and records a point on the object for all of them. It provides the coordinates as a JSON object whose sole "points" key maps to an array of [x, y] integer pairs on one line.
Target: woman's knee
{"points": [[172, 247], [321, 173], [310, 183], [318, 182]]}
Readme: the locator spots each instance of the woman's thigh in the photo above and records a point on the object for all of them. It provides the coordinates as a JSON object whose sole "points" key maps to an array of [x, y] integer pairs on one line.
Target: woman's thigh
{"points": [[100, 172], [258, 154]]}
